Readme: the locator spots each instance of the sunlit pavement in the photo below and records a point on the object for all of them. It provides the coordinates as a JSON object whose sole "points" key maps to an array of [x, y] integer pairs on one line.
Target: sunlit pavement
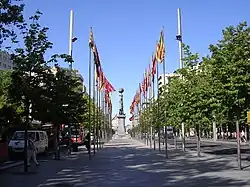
{"points": [[127, 162]]}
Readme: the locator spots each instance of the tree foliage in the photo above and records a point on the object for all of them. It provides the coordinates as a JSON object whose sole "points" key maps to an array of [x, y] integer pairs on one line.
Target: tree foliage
{"points": [[216, 87], [10, 17], [38, 88], [53, 95]]}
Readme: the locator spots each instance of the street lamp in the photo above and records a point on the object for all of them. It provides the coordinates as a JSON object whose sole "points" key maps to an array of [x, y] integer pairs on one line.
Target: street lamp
{"points": [[71, 38]]}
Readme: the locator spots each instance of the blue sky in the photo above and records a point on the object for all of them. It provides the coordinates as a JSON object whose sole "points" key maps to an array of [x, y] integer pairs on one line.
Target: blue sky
{"points": [[126, 32]]}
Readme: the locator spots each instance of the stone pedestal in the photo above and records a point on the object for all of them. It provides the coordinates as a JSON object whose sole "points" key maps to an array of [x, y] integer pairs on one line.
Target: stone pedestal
{"points": [[121, 125]]}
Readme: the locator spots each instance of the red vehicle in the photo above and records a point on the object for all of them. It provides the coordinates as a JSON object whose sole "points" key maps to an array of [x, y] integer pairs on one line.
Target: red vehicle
{"points": [[76, 139]]}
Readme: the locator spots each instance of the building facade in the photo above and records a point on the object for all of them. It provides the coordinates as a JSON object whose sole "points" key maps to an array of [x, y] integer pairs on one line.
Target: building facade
{"points": [[76, 74], [168, 77], [5, 61]]}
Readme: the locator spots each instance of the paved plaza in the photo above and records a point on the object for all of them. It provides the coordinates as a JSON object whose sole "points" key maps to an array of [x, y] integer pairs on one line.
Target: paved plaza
{"points": [[126, 162]]}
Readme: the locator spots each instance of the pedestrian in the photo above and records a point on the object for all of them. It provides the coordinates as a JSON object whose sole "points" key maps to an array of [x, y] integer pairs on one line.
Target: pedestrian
{"points": [[31, 150], [243, 137], [87, 142]]}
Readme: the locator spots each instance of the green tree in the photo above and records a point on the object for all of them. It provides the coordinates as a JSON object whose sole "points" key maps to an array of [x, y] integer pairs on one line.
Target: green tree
{"points": [[30, 69], [5, 80], [10, 15], [230, 66], [9, 112]]}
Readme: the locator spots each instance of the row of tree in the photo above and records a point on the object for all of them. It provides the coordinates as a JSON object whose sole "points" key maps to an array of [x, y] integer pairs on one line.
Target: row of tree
{"points": [[38, 88], [215, 88]]}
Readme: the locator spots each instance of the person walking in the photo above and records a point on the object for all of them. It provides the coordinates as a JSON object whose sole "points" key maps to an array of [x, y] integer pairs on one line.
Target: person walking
{"points": [[243, 137], [31, 151], [87, 142]]}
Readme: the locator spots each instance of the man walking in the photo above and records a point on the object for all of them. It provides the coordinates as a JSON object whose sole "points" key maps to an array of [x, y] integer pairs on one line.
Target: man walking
{"points": [[31, 151], [88, 142]]}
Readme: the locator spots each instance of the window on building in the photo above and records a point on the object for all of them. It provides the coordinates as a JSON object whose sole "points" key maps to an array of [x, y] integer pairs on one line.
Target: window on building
{"points": [[4, 65]]}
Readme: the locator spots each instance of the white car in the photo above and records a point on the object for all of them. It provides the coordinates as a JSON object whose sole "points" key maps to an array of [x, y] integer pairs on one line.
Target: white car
{"points": [[16, 144]]}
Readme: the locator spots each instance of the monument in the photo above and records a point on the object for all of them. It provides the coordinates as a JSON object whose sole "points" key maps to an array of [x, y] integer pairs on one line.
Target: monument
{"points": [[121, 116]]}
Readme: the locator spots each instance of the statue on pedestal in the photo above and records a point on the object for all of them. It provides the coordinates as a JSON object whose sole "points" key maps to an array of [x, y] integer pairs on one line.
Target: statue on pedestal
{"points": [[121, 111], [121, 116]]}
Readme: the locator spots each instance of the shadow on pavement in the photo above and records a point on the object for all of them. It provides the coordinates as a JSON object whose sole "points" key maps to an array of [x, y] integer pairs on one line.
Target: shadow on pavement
{"points": [[127, 162], [121, 164], [214, 148], [15, 177]]}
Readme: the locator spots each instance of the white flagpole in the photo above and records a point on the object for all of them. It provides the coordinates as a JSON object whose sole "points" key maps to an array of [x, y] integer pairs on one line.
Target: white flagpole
{"points": [[71, 22], [179, 39]]}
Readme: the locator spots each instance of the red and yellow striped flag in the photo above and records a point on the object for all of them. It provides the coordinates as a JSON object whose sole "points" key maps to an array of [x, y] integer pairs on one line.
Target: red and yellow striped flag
{"points": [[149, 76], [154, 65], [102, 81], [160, 49]]}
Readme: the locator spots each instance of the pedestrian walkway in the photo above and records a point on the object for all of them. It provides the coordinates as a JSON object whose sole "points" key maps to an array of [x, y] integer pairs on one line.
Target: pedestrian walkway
{"points": [[128, 162]]}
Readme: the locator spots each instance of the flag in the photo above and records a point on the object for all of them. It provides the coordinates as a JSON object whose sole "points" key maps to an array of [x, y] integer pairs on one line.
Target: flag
{"points": [[143, 84], [97, 61], [107, 100], [132, 107], [131, 118], [154, 66], [91, 38], [149, 76], [108, 87], [138, 97], [102, 80], [146, 80], [106, 97], [160, 49]]}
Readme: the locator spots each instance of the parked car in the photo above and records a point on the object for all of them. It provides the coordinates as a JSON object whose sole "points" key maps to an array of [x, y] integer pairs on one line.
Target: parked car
{"points": [[16, 144]]}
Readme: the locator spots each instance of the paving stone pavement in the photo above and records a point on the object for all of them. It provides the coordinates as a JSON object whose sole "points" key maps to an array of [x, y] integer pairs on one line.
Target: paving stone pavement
{"points": [[128, 162]]}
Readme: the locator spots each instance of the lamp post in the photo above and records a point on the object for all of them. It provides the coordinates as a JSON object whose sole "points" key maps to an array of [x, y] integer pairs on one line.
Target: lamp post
{"points": [[71, 38], [28, 108]]}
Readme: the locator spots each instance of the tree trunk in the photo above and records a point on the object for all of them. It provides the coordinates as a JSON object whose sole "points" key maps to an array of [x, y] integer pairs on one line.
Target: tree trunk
{"points": [[198, 140], [57, 141]]}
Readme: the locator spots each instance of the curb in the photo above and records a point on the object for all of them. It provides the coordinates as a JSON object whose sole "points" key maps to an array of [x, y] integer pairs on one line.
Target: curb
{"points": [[8, 166]]}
